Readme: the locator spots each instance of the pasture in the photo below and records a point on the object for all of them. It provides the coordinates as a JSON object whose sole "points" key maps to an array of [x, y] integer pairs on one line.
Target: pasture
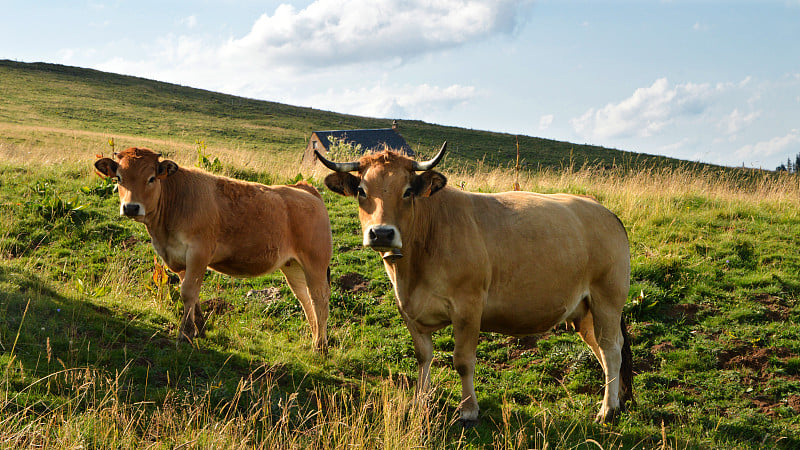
{"points": [[88, 318]]}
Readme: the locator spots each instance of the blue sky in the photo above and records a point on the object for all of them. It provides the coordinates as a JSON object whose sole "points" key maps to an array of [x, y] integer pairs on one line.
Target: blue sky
{"points": [[712, 81]]}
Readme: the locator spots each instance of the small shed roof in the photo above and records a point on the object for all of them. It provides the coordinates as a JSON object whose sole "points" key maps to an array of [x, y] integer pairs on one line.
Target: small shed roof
{"points": [[369, 140]]}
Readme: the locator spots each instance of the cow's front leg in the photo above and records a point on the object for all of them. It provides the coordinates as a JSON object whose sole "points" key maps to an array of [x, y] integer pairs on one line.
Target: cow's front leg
{"points": [[423, 350], [466, 332], [193, 323]]}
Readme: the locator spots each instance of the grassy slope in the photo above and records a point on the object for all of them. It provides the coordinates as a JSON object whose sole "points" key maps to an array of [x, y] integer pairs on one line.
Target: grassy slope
{"points": [[86, 334], [81, 99]]}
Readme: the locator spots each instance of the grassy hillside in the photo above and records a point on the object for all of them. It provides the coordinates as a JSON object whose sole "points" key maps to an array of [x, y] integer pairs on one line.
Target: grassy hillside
{"points": [[81, 99], [87, 334]]}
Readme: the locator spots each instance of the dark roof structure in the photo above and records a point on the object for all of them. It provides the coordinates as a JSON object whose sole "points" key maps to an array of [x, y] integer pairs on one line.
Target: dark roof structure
{"points": [[369, 140]]}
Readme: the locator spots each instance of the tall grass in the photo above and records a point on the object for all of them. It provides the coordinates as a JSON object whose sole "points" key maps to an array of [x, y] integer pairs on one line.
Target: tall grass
{"points": [[259, 415]]}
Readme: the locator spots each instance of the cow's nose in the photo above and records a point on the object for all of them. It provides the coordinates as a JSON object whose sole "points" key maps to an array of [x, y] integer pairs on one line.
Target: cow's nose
{"points": [[130, 209], [382, 238], [381, 234]]}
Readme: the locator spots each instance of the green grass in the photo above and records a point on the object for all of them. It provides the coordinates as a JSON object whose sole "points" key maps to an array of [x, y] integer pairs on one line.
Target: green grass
{"points": [[87, 338]]}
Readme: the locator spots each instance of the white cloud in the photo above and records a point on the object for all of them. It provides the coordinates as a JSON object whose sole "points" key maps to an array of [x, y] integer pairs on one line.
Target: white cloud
{"points": [[736, 121], [647, 112], [545, 122], [412, 102], [337, 32], [189, 22], [764, 149], [302, 56]]}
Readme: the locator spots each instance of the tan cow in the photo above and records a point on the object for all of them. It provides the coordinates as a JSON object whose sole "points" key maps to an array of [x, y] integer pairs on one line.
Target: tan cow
{"points": [[516, 263], [198, 220]]}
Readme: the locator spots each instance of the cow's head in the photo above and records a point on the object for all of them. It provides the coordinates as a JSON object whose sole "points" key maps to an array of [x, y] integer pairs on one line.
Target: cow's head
{"points": [[139, 173], [386, 185]]}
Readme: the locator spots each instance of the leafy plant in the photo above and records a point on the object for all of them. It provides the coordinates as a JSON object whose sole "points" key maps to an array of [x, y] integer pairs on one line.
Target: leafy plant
{"points": [[204, 161], [52, 206], [96, 292], [104, 187]]}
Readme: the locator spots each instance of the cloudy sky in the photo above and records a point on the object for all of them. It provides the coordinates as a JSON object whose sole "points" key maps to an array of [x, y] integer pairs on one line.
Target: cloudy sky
{"points": [[712, 81]]}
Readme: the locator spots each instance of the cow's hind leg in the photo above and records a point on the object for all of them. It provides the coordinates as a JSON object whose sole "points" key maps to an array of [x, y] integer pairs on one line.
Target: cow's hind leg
{"points": [[314, 292], [611, 341], [585, 328]]}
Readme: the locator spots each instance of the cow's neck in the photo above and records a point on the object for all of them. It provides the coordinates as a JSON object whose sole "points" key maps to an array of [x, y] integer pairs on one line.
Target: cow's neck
{"points": [[156, 221]]}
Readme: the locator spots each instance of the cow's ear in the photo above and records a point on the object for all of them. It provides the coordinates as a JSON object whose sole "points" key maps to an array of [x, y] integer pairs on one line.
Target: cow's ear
{"points": [[428, 183], [166, 168], [107, 167], [343, 183]]}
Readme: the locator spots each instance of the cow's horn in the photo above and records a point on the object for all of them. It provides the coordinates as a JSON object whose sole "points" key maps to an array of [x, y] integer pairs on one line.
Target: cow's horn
{"points": [[337, 167], [430, 164]]}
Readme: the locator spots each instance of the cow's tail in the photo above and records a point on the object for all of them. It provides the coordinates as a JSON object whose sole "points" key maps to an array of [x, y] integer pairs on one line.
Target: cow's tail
{"points": [[626, 368]]}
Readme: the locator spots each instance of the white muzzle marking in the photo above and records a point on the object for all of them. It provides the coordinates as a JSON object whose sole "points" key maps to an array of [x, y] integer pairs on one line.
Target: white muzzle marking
{"points": [[131, 209], [382, 237]]}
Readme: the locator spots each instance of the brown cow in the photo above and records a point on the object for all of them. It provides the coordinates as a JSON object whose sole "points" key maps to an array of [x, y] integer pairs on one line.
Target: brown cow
{"points": [[198, 220], [516, 263]]}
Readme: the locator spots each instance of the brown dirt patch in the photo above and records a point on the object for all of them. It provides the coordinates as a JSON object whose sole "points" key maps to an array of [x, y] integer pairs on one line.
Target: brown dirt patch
{"points": [[776, 311], [686, 311], [643, 364], [353, 283], [794, 403], [267, 295], [129, 242], [216, 305], [770, 408], [766, 407], [523, 345], [665, 346], [748, 356]]}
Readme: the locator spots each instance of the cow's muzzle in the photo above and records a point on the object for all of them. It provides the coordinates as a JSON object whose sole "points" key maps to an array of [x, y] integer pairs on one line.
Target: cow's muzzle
{"points": [[382, 238], [131, 209]]}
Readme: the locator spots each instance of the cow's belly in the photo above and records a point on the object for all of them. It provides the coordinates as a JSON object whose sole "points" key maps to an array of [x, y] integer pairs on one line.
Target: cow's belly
{"points": [[528, 311], [248, 262], [532, 317]]}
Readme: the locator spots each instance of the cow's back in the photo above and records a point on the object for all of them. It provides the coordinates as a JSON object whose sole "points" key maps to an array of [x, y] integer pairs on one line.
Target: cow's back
{"points": [[251, 228]]}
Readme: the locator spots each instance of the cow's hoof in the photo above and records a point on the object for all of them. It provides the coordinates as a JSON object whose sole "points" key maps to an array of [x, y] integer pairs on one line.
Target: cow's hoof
{"points": [[469, 423], [189, 334], [607, 417]]}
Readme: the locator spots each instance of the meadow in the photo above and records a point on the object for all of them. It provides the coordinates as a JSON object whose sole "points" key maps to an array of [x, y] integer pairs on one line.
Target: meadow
{"points": [[88, 318]]}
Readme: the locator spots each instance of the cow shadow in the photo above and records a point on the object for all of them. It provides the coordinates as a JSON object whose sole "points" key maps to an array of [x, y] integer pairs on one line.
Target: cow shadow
{"points": [[58, 349]]}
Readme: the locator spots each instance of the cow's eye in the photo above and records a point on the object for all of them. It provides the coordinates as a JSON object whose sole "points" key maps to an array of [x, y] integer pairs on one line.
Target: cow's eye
{"points": [[408, 193], [361, 193], [151, 180]]}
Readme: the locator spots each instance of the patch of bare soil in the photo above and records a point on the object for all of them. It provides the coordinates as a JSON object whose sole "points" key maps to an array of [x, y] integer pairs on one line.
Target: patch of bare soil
{"points": [[523, 345], [794, 403], [129, 242], [776, 310], [216, 305], [686, 311], [665, 346], [353, 283], [267, 295], [748, 356]]}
